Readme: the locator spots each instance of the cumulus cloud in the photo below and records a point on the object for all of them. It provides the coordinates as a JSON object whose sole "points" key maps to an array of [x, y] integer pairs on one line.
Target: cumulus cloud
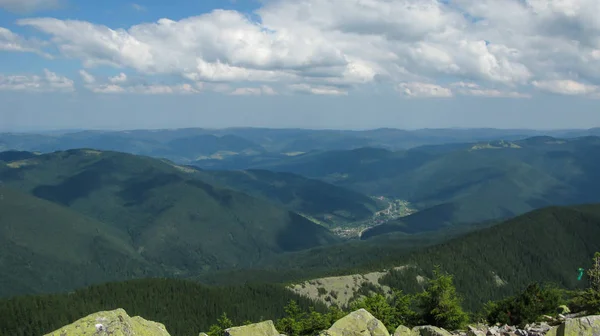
{"points": [[473, 89], [120, 78], [49, 82], [423, 90], [334, 46], [567, 87], [23, 6], [10, 41]]}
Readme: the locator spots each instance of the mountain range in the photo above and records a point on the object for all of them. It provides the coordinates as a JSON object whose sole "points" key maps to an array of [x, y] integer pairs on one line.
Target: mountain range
{"points": [[231, 207]]}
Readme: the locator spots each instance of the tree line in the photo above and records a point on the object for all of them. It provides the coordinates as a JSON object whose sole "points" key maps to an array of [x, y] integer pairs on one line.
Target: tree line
{"points": [[187, 307]]}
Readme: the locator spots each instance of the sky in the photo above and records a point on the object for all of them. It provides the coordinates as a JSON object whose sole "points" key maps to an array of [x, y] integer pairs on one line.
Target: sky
{"points": [[345, 64]]}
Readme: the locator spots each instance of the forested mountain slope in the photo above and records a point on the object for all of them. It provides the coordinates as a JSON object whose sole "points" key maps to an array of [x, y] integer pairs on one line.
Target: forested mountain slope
{"points": [[160, 212], [329, 204], [475, 182]]}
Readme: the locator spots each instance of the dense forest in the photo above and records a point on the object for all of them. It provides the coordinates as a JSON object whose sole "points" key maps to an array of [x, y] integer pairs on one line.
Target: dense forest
{"points": [[187, 307]]}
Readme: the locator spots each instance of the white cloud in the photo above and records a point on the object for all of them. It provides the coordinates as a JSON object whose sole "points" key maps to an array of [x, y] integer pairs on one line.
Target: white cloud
{"points": [[317, 90], [28, 5], [566, 87], [150, 89], [334, 46], [472, 89], [49, 82], [10, 41], [423, 90], [87, 77], [120, 78], [254, 91]]}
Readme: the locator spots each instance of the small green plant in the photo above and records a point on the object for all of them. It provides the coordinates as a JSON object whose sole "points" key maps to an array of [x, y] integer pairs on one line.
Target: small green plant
{"points": [[222, 323]]}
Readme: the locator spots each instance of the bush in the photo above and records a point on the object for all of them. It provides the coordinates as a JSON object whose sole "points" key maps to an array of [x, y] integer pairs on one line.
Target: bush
{"points": [[526, 307], [589, 300], [440, 305]]}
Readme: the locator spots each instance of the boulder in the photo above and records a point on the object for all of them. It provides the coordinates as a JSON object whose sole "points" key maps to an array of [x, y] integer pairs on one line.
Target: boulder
{"points": [[474, 331], [583, 326], [430, 331], [357, 323], [115, 323], [403, 331], [266, 328]]}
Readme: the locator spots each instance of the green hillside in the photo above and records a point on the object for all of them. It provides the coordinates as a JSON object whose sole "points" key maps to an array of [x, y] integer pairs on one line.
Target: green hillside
{"points": [[328, 204], [546, 245], [172, 219], [47, 247], [489, 261]]}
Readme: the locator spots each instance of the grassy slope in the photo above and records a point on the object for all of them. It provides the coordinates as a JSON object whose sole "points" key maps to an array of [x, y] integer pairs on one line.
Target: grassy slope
{"points": [[170, 217], [325, 202]]}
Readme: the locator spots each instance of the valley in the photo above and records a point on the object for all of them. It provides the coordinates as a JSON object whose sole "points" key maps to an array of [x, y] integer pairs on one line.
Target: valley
{"points": [[395, 209]]}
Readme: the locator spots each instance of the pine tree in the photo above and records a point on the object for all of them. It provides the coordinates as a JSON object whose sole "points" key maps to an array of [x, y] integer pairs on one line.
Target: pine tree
{"points": [[594, 273], [440, 304]]}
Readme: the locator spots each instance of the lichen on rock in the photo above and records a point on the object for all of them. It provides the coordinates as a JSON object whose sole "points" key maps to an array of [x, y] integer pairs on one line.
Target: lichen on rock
{"points": [[114, 323], [357, 323], [582, 326], [265, 328]]}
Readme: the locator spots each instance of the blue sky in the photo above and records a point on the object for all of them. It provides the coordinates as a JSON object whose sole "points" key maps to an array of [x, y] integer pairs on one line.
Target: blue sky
{"points": [[299, 63]]}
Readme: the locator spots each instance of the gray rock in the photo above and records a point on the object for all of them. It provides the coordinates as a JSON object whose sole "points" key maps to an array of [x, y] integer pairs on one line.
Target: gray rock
{"points": [[583, 326], [357, 323], [266, 328], [403, 331], [430, 331]]}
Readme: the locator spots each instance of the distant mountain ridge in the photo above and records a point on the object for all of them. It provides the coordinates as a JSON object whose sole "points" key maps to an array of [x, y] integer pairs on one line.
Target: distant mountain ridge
{"points": [[186, 144]]}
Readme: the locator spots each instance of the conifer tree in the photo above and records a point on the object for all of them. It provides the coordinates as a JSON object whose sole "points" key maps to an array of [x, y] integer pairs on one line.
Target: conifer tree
{"points": [[440, 304]]}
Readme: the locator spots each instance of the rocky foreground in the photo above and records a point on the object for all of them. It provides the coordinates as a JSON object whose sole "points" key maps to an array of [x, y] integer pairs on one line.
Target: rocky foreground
{"points": [[358, 323]]}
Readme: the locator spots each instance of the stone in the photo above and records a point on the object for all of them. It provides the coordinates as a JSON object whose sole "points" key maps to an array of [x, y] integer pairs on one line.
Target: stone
{"points": [[472, 331], [403, 331], [265, 328], [357, 323], [430, 331], [114, 323], [583, 326]]}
